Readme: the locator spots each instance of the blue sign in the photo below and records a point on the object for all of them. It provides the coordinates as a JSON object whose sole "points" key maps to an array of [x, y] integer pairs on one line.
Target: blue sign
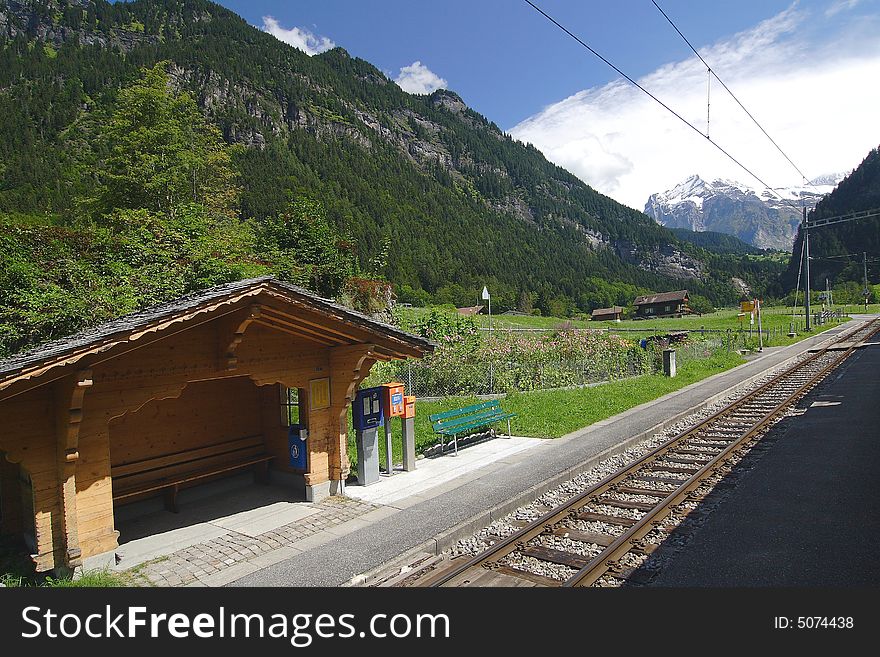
{"points": [[366, 411], [397, 398], [296, 448]]}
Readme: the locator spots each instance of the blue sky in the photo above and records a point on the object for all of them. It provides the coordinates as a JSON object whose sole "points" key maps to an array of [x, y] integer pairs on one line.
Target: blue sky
{"points": [[513, 66]]}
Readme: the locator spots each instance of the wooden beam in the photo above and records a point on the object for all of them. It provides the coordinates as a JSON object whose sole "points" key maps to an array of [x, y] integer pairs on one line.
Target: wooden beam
{"points": [[238, 336], [348, 367], [349, 331], [294, 329], [320, 321], [69, 417]]}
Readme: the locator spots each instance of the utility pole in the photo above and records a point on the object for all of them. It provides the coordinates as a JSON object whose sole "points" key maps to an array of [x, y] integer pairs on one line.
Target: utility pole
{"points": [[760, 329], [865, 263], [807, 269]]}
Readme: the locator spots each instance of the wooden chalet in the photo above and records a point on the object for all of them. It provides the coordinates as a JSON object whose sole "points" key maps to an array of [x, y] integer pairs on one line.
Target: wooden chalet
{"points": [[613, 314], [666, 304], [173, 396]]}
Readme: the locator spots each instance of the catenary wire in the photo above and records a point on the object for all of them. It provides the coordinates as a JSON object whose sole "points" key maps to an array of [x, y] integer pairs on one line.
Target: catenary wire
{"points": [[732, 95], [659, 102]]}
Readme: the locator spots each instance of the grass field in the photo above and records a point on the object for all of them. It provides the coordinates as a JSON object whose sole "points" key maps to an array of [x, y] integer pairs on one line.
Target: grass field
{"points": [[776, 322], [554, 413]]}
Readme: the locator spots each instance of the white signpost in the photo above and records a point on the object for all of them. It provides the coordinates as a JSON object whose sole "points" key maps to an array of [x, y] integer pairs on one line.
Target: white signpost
{"points": [[488, 298]]}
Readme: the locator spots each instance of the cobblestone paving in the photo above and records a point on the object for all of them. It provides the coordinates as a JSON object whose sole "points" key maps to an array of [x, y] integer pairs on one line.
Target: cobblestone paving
{"points": [[197, 561]]}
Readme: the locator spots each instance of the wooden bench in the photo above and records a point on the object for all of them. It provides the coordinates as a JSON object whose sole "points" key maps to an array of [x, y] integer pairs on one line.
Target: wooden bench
{"points": [[169, 471], [460, 420]]}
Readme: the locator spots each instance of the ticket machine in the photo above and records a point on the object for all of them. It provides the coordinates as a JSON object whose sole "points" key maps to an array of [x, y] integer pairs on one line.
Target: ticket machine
{"points": [[367, 417], [392, 406]]}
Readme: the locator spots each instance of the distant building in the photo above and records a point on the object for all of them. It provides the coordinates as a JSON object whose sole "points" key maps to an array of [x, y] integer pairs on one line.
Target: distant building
{"points": [[665, 304], [612, 314], [472, 310]]}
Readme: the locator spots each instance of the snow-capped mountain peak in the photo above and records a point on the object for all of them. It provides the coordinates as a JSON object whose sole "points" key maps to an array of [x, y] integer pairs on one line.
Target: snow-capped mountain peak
{"points": [[759, 216]]}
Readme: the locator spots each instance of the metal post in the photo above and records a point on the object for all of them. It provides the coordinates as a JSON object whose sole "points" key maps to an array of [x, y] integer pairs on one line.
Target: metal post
{"points": [[760, 332], [865, 263], [409, 443], [807, 269], [389, 462]]}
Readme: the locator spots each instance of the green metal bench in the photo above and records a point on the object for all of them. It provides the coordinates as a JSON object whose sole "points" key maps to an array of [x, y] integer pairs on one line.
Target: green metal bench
{"points": [[460, 420]]}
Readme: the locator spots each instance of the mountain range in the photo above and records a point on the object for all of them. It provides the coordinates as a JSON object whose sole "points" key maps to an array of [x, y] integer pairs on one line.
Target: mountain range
{"points": [[424, 192], [765, 219]]}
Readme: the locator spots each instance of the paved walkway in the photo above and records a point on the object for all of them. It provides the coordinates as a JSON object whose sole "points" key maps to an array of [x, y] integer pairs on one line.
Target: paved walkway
{"points": [[277, 541], [213, 553]]}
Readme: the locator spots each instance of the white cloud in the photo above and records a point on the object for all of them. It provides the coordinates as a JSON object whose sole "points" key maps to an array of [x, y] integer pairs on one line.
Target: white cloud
{"points": [[419, 79], [817, 100], [839, 6], [309, 43]]}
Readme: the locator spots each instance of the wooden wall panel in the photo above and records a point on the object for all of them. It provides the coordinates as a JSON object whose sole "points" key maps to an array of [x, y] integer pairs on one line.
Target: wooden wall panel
{"points": [[27, 426], [274, 432], [206, 413], [319, 446], [10, 497], [28, 438], [262, 344]]}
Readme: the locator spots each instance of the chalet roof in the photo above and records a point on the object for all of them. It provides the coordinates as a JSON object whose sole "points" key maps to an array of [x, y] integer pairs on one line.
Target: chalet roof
{"points": [[470, 310], [131, 327], [613, 310], [663, 297]]}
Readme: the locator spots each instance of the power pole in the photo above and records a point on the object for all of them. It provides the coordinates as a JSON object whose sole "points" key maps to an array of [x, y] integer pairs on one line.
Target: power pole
{"points": [[865, 263], [807, 268]]}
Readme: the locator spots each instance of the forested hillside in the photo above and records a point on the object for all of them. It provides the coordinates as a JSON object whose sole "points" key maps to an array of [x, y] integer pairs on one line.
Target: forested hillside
{"points": [[836, 251], [154, 147]]}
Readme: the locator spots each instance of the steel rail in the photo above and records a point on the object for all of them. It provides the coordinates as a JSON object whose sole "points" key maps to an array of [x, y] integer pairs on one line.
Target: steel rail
{"points": [[555, 515]]}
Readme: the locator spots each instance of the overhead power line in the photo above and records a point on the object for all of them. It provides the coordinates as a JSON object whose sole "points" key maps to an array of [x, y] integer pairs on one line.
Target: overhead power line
{"points": [[732, 95], [839, 219], [659, 102]]}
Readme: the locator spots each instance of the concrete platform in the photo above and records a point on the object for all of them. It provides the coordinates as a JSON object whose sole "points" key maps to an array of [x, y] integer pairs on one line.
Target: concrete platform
{"points": [[439, 474], [147, 531]]}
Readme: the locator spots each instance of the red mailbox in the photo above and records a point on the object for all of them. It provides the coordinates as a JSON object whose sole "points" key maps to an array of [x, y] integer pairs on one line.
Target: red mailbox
{"points": [[393, 399], [409, 407]]}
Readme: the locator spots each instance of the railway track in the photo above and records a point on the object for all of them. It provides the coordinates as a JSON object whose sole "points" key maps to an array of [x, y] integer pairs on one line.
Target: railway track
{"points": [[602, 535]]}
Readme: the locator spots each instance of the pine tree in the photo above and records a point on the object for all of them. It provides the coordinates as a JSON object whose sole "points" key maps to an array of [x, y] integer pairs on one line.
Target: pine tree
{"points": [[162, 152]]}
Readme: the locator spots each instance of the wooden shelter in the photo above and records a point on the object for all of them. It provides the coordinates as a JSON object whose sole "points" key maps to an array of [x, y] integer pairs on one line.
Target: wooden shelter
{"points": [[471, 310], [665, 304], [612, 314], [175, 395]]}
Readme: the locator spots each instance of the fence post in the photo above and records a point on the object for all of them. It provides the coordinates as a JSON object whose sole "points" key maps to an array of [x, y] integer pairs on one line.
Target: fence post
{"points": [[409, 377]]}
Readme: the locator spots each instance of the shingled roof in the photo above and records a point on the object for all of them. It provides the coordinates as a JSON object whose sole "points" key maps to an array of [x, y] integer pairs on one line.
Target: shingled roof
{"points": [[129, 327], [663, 297], [613, 310]]}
